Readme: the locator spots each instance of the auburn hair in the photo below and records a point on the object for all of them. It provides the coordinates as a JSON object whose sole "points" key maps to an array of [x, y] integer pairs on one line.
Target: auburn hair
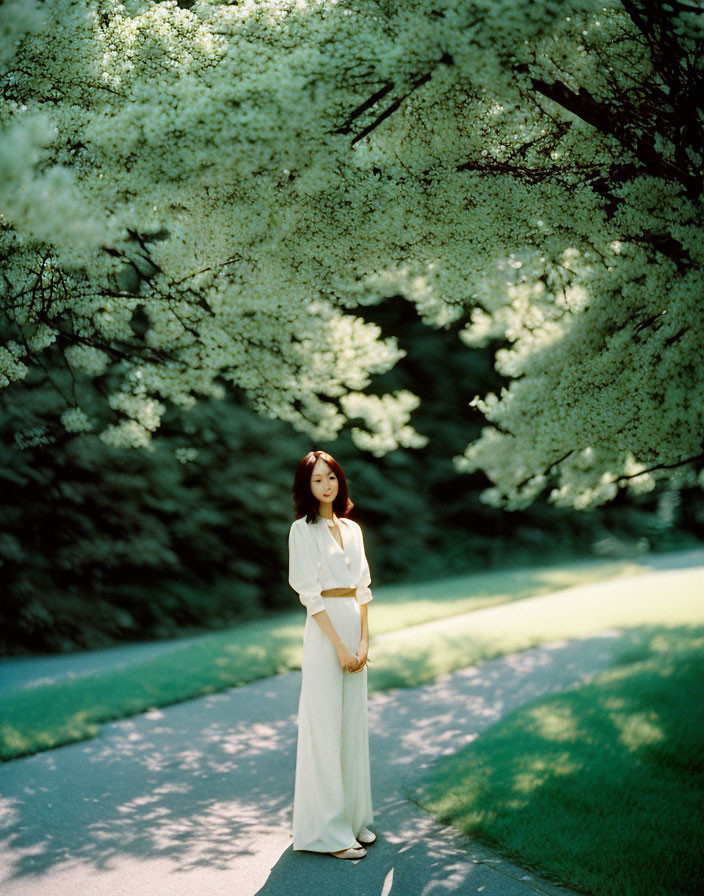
{"points": [[304, 501]]}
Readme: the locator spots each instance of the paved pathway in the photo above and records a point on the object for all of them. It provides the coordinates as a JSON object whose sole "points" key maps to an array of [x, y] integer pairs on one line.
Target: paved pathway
{"points": [[195, 799]]}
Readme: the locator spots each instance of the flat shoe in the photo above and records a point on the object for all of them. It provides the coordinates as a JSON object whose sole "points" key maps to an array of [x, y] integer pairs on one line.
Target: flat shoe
{"points": [[366, 836], [352, 852]]}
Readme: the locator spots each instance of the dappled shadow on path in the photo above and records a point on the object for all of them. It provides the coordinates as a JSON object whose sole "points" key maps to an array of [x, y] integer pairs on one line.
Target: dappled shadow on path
{"points": [[412, 856], [197, 783], [201, 792]]}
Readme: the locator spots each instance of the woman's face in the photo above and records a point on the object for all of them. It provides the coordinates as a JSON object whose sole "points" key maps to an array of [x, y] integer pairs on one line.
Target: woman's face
{"points": [[323, 482]]}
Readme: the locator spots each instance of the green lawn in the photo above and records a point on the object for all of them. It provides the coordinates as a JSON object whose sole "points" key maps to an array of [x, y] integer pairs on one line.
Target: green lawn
{"points": [[601, 787], [497, 615], [414, 655]]}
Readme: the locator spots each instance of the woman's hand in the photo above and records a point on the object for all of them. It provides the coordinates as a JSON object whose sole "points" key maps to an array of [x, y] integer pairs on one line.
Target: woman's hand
{"points": [[347, 659], [362, 652]]}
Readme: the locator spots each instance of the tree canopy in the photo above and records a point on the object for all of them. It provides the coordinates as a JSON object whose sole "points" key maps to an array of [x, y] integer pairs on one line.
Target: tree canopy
{"points": [[203, 197]]}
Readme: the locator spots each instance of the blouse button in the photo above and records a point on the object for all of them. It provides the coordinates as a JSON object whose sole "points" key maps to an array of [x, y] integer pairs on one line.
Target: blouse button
{"points": [[347, 561]]}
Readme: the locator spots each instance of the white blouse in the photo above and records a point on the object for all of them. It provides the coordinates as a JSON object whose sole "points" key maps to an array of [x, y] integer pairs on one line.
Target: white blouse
{"points": [[316, 561]]}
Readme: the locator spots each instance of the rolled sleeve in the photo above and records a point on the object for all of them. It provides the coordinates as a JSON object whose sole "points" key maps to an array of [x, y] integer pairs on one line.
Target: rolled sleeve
{"points": [[364, 595], [302, 571]]}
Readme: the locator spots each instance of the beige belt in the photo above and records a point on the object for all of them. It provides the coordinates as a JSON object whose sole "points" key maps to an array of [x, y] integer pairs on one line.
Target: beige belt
{"points": [[339, 592]]}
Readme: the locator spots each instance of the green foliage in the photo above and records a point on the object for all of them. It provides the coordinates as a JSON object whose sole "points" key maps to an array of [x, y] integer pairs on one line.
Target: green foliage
{"points": [[100, 544]]}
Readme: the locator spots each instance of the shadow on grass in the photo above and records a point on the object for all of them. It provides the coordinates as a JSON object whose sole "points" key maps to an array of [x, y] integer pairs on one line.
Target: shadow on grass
{"points": [[601, 786]]}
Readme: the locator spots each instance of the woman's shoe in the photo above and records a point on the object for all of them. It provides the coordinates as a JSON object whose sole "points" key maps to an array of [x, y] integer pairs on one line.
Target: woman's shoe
{"points": [[352, 852], [366, 836]]}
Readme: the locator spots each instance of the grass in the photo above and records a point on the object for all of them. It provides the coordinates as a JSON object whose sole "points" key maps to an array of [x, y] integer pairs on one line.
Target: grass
{"points": [[414, 655], [418, 632], [599, 788]]}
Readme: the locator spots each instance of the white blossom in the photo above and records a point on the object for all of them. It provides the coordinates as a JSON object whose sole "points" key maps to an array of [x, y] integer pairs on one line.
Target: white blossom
{"points": [[87, 358], [386, 418], [244, 176], [76, 420]]}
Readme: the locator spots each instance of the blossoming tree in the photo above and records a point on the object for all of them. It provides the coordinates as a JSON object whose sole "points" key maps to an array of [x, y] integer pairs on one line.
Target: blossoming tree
{"points": [[203, 193]]}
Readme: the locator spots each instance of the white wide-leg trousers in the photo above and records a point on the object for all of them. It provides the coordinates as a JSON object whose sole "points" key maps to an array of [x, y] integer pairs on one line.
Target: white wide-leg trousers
{"points": [[332, 799]]}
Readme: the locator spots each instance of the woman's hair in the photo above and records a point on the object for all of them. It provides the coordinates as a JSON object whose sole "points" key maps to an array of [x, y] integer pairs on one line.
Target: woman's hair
{"points": [[304, 501]]}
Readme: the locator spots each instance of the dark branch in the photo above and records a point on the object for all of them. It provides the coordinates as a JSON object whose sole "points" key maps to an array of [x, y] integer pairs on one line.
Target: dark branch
{"points": [[609, 122], [679, 463], [445, 59], [367, 104]]}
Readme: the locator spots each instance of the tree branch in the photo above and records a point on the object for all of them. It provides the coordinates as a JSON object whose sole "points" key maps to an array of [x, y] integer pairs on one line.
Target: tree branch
{"points": [[445, 59], [679, 463], [367, 104], [598, 115]]}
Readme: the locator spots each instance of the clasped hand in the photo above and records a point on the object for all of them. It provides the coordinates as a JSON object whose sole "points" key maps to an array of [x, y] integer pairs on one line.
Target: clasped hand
{"points": [[353, 662]]}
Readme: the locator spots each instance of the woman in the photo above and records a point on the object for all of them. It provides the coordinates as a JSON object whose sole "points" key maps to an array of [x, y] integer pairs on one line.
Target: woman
{"points": [[328, 568]]}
